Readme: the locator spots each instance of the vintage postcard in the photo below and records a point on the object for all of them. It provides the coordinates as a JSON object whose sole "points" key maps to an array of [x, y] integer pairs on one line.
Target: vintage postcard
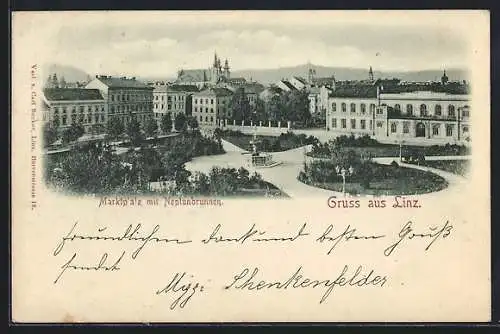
{"points": [[250, 166]]}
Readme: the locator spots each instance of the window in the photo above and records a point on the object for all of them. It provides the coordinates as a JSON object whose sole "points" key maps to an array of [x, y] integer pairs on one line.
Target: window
{"points": [[156, 97], [394, 127], [334, 123], [81, 109], [406, 127], [112, 98], [206, 101], [353, 123], [169, 106], [201, 118], [206, 119], [451, 110], [212, 101], [211, 110], [465, 129], [334, 107], [397, 108], [465, 111], [449, 130], [437, 110], [211, 118], [409, 109], [435, 130], [363, 124], [343, 123], [353, 107], [363, 108], [344, 107], [206, 110], [64, 120], [102, 118], [195, 109], [371, 124], [423, 110], [56, 111], [380, 124], [372, 108]]}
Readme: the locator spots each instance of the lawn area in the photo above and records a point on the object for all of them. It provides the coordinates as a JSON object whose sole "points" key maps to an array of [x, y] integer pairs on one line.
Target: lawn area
{"points": [[459, 167], [389, 180], [281, 143]]}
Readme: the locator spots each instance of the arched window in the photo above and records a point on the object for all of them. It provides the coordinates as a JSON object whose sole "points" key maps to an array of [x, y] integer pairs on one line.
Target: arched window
{"points": [[344, 107], [451, 110], [363, 108], [397, 107], [353, 107], [334, 107], [393, 127], [409, 109], [423, 109], [372, 108], [437, 110], [211, 118]]}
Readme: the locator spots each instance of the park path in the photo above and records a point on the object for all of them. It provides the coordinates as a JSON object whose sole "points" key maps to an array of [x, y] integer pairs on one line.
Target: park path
{"points": [[284, 175]]}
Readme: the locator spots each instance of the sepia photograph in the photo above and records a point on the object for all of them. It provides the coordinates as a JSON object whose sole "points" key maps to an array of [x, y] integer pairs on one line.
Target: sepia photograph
{"points": [[225, 165]]}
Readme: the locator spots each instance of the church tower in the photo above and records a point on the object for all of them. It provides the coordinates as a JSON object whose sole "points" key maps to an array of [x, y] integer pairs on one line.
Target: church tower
{"points": [[444, 78], [226, 69], [370, 75], [214, 71]]}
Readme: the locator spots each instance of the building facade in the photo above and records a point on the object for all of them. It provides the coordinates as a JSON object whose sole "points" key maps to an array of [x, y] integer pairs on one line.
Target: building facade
{"points": [[428, 115], [211, 106], [126, 98], [66, 106], [414, 116], [173, 99]]}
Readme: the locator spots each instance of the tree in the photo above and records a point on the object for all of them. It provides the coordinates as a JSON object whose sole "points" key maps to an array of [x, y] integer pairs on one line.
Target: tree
{"points": [[297, 105], [259, 111], [192, 123], [134, 132], [180, 122], [166, 123], [72, 133], [275, 108], [240, 107], [151, 127], [50, 134], [115, 127]]}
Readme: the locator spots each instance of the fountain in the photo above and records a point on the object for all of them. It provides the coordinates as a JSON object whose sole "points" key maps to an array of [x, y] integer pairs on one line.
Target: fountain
{"points": [[257, 158]]}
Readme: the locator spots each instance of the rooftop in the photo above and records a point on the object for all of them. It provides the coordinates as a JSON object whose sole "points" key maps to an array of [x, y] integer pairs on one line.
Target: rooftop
{"points": [[121, 82], [289, 85], [72, 94], [300, 79], [176, 88], [355, 91], [216, 92]]}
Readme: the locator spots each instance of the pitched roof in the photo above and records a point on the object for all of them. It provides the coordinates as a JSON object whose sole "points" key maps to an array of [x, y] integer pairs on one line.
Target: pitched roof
{"points": [[239, 79], [254, 88], [216, 92], [300, 79], [121, 82], [72, 94], [289, 85], [355, 91], [455, 89], [196, 75], [323, 81], [176, 88]]}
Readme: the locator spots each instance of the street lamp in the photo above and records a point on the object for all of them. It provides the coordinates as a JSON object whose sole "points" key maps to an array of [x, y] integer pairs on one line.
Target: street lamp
{"points": [[401, 142], [342, 172]]}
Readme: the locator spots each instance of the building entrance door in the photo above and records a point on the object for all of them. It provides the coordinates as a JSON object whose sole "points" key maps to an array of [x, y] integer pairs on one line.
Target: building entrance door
{"points": [[420, 130]]}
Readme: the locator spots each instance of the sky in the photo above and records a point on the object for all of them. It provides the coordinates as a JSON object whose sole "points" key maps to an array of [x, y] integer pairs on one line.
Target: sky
{"points": [[161, 43]]}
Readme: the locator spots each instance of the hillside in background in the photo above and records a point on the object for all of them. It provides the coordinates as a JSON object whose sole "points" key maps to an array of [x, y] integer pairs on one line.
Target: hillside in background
{"points": [[343, 73], [266, 76]]}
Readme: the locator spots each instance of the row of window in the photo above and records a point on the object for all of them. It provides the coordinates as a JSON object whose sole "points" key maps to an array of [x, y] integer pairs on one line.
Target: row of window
{"points": [[435, 129], [169, 106], [343, 107], [81, 109], [130, 97], [87, 119], [353, 124], [437, 110], [169, 98], [124, 108], [207, 119]]}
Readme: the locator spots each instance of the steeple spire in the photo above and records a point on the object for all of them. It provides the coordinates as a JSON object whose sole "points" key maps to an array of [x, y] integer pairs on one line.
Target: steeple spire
{"points": [[370, 74]]}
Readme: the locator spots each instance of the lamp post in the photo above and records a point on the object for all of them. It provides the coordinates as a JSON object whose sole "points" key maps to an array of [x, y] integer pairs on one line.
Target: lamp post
{"points": [[342, 172]]}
